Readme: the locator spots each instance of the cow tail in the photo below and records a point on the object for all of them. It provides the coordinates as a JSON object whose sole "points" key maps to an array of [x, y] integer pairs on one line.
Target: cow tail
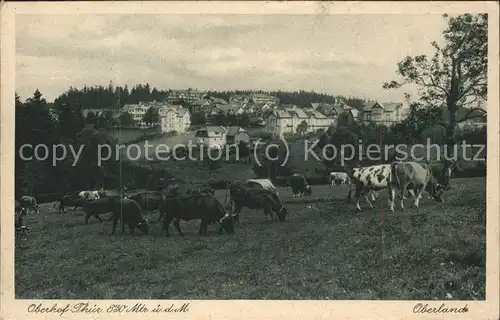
{"points": [[227, 190]]}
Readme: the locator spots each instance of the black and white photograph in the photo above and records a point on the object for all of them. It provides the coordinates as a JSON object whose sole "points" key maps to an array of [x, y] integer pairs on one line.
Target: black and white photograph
{"points": [[252, 156]]}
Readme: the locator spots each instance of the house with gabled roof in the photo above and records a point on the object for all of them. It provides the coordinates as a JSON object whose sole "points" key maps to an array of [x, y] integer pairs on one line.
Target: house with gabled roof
{"points": [[467, 119], [257, 97], [174, 118], [236, 134], [226, 109], [318, 120], [188, 96], [211, 136], [386, 113], [280, 122]]}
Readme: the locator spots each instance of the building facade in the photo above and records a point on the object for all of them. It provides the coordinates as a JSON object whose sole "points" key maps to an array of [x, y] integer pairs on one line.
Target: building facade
{"points": [[211, 136], [383, 113], [175, 118]]}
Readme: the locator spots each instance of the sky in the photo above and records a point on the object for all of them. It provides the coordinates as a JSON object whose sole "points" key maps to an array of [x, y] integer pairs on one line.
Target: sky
{"points": [[349, 55]]}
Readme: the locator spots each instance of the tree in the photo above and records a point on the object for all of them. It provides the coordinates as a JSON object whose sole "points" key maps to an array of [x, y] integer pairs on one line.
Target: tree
{"points": [[151, 116], [302, 127], [456, 75], [126, 120]]}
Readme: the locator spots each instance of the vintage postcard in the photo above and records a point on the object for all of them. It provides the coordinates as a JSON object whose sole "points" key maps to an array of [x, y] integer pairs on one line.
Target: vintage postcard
{"points": [[263, 160]]}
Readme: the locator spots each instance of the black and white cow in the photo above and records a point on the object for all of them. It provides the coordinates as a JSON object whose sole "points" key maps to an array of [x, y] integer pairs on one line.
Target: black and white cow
{"points": [[369, 179]]}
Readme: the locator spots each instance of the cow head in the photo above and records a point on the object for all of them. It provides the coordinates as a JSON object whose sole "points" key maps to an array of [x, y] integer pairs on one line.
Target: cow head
{"points": [[227, 222], [436, 190], [143, 226], [282, 213], [101, 192]]}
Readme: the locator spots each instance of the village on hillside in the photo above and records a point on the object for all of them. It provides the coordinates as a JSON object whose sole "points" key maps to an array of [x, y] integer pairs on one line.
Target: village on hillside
{"points": [[220, 121]]}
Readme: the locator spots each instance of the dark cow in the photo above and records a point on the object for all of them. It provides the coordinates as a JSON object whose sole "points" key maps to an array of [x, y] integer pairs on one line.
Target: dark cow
{"points": [[414, 175], [203, 207], [253, 196], [100, 206], [29, 202], [128, 212], [19, 226], [299, 186]]}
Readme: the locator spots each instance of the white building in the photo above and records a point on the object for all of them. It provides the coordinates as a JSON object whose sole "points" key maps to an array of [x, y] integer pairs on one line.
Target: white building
{"points": [[174, 118], [211, 136], [280, 122], [387, 113]]}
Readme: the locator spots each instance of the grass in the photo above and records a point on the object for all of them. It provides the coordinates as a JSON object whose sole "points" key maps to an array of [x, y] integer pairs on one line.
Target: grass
{"points": [[323, 251]]}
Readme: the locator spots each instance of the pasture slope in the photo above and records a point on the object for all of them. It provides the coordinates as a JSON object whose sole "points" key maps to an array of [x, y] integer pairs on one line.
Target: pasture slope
{"points": [[323, 251]]}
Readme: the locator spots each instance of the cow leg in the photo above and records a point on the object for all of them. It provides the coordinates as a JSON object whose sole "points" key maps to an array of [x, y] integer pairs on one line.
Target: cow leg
{"points": [[166, 224], [96, 215], [412, 192], [417, 199], [236, 212], [402, 193], [392, 197], [204, 226], [201, 227], [358, 195], [368, 200], [115, 221], [87, 216], [160, 216], [178, 226], [349, 194]]}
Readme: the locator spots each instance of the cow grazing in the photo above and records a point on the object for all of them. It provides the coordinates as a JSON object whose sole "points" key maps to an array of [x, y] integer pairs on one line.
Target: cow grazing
{"points": [[128, 212], [370, 180], [342, 176], [414, 175], [29, 203], [299, 185], [202, 207], [247, 194]]}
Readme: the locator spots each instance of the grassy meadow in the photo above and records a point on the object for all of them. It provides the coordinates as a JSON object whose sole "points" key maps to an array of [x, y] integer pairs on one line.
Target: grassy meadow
{"points": [[324, 250]]}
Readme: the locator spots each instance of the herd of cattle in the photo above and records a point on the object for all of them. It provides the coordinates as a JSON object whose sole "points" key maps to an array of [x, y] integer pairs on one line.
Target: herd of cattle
{"points": [[399, 178]]}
